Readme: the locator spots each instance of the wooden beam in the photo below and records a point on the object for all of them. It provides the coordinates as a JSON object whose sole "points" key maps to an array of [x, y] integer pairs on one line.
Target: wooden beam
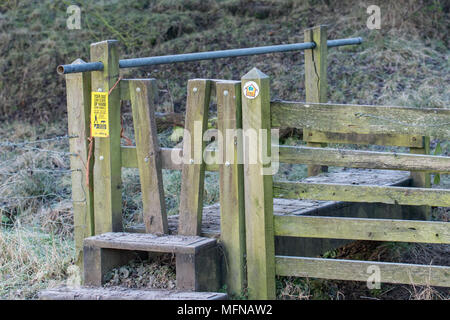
{"points": [[363, 229], [359, 271], [107, 167], [364, 159], [422, 180], [143, 94], [362, 119], [78, 87], [193, 173], [258, 189], [363, 193], [316, 79], [397, 140], [129, 159], [232, 214]]}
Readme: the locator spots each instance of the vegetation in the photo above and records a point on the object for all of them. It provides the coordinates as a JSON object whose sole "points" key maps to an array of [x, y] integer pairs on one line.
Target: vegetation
{"points": [[404, 63]]}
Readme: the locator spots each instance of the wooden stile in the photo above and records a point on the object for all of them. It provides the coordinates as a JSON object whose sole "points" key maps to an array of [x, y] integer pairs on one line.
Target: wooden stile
{"points": [[143, 94], [258, 191], [107, 166], [193, 173], [232, 215], [78, 87]]}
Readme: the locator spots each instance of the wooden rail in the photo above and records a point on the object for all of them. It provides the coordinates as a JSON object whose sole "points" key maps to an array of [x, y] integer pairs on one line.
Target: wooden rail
{"points": [[362, 229], [358, 270], [366, 193], [362, 119]]}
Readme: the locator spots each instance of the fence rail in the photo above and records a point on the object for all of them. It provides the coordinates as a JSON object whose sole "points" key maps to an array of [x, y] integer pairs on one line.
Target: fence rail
{"points": [[362, 119], [364, 159], [362, 229], [363, 193]]}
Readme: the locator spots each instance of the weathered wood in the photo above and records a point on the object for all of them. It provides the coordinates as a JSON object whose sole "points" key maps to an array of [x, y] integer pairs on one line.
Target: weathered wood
{"points": [[258, 190], [366, 193], [107, 166], [142, 95], [121, 293], [99, 261], [364, 159], [129, 159], [150, 242], [197, 259], [232, 214], [422, 180], [78, 86], [200, 271], [359, 271], [362, 119], [363, 229], [397, 140], [316, 79], [193, 172]]}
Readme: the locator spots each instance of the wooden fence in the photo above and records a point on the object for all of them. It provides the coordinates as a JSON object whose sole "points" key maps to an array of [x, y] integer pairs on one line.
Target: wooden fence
{"points": [[344, 123], [248, 226]]}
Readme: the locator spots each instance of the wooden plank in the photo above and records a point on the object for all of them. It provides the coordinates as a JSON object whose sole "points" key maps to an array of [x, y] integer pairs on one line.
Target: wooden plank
{"points": [[107, 167], [121, 293], [142, 95], [193, 172], [398, 140], [150, 242], [258, 190], [362, 119], [422, 180], [232, 214], [78, 87], [364, 159], [366, 193], [362, 229], [316, 79], [129, 159], [359, 270]]}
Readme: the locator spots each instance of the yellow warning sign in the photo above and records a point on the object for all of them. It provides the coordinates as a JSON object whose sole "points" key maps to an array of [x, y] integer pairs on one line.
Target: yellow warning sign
{"points": [[99, 114]]}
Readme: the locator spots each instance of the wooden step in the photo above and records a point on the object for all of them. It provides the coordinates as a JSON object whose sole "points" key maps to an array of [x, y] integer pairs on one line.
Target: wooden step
{"points": [[197, 259], [120, 293], [150, 242]]}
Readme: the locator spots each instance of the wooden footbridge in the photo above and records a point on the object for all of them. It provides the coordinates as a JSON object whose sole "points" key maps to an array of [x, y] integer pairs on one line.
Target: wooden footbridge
{"points": [[261, 228]]}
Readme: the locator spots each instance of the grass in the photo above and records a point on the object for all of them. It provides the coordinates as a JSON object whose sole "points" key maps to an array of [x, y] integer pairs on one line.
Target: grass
{"points": [[31, 260], [405, 63]]}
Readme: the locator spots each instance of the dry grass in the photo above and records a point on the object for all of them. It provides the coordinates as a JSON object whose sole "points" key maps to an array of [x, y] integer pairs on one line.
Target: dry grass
{"points": [[31, 260]]}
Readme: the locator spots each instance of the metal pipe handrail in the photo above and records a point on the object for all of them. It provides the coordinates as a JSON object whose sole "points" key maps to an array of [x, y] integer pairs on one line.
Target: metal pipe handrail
{"points": [[208, 55]]}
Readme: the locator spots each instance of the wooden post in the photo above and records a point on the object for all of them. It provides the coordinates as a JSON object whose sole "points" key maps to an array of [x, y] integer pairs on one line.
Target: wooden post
{"points": [[193, 172], [78, 87], [107, 166], [142, 96], [258, 187], [316, 80], [232, 214], [421, 180]]}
